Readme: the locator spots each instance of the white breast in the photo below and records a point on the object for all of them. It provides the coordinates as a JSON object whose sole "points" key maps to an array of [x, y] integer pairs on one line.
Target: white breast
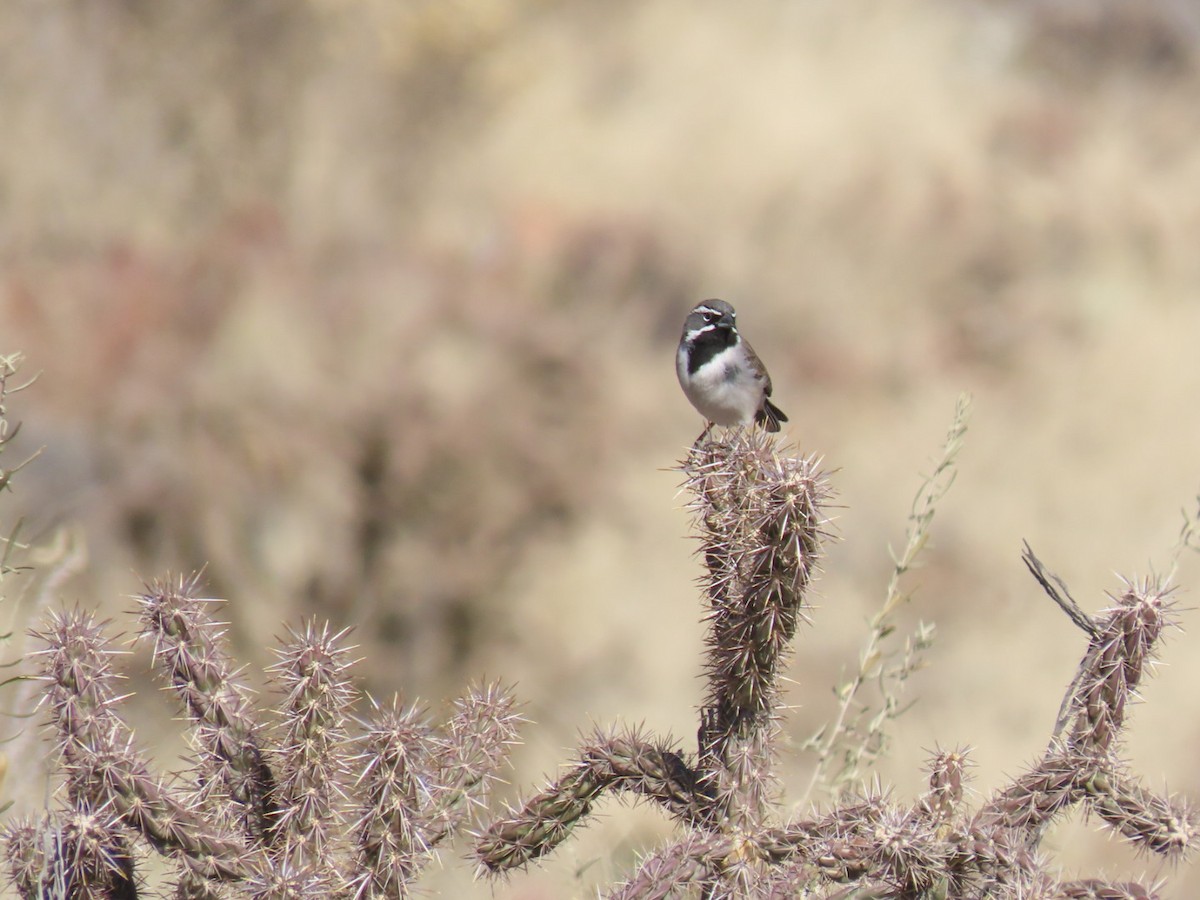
{"points": [[723, 390]]}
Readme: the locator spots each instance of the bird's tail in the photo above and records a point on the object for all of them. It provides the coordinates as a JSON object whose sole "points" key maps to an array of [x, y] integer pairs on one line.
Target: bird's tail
{"points": [[770, 416]]}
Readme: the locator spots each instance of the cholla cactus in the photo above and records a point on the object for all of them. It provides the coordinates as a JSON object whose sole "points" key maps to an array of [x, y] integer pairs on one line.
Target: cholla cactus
{"points": [[759, 514], [311, 802], [231, 775], [761, 526], [268, 809]]}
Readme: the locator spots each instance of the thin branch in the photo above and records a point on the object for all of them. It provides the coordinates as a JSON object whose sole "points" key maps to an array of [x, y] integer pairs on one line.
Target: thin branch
{"points": [[1056, 589], [920, 516], [1189, 537]]}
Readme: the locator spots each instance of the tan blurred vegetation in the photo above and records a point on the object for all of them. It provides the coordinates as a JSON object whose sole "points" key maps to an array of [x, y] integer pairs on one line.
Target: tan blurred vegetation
{"points": [[370, 309]]}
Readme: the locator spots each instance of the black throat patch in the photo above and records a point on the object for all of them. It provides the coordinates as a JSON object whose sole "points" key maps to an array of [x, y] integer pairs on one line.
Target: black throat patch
{"points": [[708, 344]]}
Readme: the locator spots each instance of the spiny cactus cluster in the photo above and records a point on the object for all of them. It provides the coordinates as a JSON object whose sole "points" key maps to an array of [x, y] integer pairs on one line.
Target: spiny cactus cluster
{"points": [[760, 522], [312, 804]]}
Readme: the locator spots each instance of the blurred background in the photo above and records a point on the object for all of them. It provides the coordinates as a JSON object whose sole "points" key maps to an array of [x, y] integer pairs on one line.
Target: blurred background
{"points": [[370, 309]]}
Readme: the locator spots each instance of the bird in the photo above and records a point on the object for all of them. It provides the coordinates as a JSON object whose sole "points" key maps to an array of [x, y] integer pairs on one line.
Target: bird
{"points": [[720, 373]]}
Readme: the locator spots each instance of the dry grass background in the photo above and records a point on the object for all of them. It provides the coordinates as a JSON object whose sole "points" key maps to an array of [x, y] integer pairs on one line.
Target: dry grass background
{"points": [[371, 308]]}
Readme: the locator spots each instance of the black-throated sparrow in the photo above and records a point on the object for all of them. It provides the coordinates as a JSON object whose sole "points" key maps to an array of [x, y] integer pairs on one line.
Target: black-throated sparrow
{"points": [[720, 372]]}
